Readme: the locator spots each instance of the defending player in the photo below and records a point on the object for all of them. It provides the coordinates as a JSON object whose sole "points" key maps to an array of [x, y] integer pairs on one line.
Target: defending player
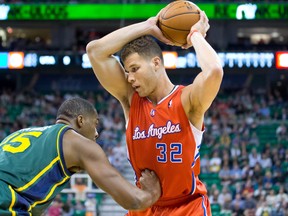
{"points": [[164, 121], [36, 163]]}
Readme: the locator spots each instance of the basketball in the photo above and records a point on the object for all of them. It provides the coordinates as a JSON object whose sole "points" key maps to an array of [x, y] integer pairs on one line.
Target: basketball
{"points": [[176, 20]]}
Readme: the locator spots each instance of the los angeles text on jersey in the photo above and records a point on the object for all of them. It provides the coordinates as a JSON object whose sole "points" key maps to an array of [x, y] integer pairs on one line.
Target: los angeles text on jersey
{"points": [[153, 131]]}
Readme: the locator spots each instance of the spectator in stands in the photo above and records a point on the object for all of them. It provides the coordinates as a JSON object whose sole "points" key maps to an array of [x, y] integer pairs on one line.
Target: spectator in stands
{"points": [[237, 205], [244, 154], [264, 110], [284, 114], [268, 180], [260, 192], [279, 210], [236, 139], [79, 206], [250, 203], [265, 161], [248, 188], [281, 132], [257, 173], [215, 162], [225, 140], [225, 198], [235, 151], [254, 157], [56, 207], [119, 154], [235, 172], [254, 140], [67, 209], [271, 198], [213, 198], [282, 196], [263, 209], [278, 173], [225, 173], [205, 163], [246, 170]]}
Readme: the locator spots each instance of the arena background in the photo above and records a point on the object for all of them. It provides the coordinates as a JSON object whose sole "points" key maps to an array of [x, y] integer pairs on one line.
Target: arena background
{"points": [[244, 155]]}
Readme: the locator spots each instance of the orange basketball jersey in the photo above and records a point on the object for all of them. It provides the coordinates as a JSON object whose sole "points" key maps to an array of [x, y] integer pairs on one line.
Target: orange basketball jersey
{"points": [[162, 139]]}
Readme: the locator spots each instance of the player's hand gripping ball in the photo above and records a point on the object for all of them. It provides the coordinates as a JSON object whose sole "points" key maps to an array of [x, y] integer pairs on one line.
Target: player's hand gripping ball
{"points": [[176, 20]]}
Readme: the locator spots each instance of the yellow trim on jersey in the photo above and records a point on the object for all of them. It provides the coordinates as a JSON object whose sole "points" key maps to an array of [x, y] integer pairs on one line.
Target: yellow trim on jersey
{"points": [[13, 200], [50, 193], [7, 139], [38, 175], [29, 210], [58, 151]]}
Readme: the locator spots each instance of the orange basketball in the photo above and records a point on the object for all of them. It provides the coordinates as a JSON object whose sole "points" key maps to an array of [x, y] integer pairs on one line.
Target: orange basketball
{"points": [[176, 20]]}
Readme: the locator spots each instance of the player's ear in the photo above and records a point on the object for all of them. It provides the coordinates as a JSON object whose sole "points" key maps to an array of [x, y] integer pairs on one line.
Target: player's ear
{"points": [[156, 62], [80, 121]]}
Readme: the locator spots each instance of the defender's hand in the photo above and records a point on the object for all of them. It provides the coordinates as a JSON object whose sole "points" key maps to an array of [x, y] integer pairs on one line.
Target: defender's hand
{"points": [[150, 183]]}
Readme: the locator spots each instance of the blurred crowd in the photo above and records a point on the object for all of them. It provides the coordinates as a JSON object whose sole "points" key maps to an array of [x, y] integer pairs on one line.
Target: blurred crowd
{"points": [[244, 154]]}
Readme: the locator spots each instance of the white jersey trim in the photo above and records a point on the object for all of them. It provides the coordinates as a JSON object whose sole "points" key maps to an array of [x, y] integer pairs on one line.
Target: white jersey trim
{"points": [[198, 136], [173, 90]]}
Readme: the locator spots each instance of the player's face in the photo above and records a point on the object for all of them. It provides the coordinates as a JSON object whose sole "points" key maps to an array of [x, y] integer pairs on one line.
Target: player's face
{"points": [[140, 74], [89, 128]]}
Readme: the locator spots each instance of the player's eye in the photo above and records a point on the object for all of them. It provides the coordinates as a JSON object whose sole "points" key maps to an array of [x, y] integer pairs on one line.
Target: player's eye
{"points": [[134, 69]]}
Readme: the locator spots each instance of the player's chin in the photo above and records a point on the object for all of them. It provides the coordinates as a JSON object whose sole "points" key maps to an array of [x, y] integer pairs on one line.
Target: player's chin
{"points": [[142, 94]]}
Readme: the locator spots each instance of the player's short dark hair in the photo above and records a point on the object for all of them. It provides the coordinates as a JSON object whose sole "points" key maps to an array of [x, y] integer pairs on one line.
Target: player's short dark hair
{"points": [[73, 107], [145, 46]]}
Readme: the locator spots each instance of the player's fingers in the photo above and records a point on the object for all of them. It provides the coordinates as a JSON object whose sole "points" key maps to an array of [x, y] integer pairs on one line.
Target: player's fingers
{"points": [[152, 173], [202, 16], [144, 174], [186, 46], [165, 40], [158, 14], [147, 172], [159, 35], [207, 27], [205, 16]]}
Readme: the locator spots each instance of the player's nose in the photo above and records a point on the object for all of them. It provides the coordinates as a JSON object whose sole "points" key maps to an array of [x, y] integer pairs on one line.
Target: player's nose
{"points": [[131, 78], [96, 134]]}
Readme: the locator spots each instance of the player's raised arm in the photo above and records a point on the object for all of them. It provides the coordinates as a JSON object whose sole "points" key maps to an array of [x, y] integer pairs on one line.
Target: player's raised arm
{"points": [[207, 83], [85, 154], [107, 69]]}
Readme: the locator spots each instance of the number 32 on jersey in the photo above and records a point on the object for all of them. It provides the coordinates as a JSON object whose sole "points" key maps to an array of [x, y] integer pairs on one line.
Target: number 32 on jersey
{"points": [[169, 152]]}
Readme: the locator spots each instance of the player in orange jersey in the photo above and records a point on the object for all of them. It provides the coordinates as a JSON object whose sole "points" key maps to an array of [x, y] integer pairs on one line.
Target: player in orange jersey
{"points": [[165, 122]]}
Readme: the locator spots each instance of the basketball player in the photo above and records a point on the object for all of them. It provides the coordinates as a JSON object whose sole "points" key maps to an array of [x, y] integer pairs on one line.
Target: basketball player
{"points": [[37, 162], [164, 121]]}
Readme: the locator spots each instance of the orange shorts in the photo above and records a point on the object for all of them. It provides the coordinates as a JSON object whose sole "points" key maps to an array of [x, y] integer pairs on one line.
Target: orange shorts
{"points": [[196, 207]]}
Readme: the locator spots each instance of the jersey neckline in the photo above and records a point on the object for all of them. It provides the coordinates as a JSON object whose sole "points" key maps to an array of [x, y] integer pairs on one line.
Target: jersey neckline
{"points": [[172, 91]]}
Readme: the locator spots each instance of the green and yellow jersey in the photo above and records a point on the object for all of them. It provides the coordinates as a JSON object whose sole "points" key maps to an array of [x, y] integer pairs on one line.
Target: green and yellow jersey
{"points": [[32, 169]]}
